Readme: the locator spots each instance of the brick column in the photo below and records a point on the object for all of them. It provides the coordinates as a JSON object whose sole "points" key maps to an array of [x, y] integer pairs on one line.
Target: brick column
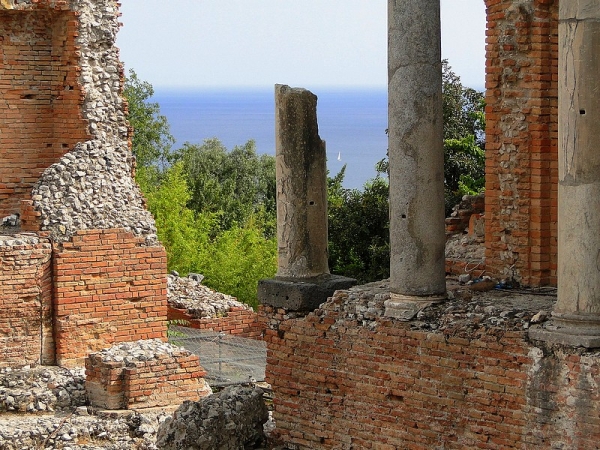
{"points": [[576, 315], [521, 140], [417, 237]]}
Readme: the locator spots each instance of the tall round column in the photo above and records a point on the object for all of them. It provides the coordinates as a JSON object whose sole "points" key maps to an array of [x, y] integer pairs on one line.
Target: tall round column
{"points": [[417, 235], [577, 310]]}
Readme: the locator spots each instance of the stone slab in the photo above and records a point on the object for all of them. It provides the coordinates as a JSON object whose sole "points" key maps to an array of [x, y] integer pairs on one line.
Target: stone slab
{"points": [[406, 308], [562, 336], [301, 294]]}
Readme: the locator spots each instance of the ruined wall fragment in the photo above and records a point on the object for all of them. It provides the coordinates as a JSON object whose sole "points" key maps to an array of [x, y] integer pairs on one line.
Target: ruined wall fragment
{"points": [[522, 140]]}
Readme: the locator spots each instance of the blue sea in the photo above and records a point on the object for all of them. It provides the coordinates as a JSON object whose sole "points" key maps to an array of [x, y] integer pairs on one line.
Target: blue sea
{"points": [[352, 122]]}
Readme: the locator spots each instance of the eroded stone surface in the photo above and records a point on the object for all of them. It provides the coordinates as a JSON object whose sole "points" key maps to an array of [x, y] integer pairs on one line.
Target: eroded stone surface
{"points": [[232, 419], [463, 314]]}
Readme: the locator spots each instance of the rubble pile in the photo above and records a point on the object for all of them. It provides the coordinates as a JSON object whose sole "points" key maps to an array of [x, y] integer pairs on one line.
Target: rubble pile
{"points": [[81, 431], [129, 353], [466, 247], [41, 389], [231, 419], [463, 314], [200, 301]]}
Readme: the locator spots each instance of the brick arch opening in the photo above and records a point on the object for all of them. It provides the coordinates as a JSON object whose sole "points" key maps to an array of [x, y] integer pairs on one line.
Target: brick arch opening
{"points": [[522, 140], [40, 98]]}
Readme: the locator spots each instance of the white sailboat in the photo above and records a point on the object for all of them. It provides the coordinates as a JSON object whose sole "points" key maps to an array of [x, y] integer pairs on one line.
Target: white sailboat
{"points": [[339, 156]]}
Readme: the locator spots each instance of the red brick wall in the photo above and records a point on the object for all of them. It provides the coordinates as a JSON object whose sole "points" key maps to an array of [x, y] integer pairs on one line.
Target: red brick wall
{"points": [[108, 288], [341, 385], [521, 140], [25, 304], [163, 381], [241, 322], [40, 108]]}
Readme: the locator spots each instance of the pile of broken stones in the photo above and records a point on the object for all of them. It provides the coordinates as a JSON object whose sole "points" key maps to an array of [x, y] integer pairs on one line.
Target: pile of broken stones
{"points": [[199, 300]]}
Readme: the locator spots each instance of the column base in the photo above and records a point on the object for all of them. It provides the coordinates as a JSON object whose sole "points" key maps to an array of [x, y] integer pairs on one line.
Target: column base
{"points": [[406, 307], [573, 330], [301, 294]]}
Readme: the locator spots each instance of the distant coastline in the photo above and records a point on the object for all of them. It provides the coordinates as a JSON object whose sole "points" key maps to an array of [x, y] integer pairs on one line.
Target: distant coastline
{"points": [[351, 121]]}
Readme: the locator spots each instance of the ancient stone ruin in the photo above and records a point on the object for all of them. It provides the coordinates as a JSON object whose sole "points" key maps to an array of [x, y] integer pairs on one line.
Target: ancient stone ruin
{"points": [[411, 362], [81, 266], [420, 362]]}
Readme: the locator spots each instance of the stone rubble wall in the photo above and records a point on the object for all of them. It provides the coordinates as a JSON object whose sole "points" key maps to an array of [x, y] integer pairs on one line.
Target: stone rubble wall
{"points": [[462, 375], [93, 186], [25, 300], [197, 306], [522, 140], [67, 168], [144, 374]]}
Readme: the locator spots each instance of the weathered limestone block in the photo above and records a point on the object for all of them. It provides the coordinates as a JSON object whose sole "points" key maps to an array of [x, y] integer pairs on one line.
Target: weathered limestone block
{"points": [[231, 419]]}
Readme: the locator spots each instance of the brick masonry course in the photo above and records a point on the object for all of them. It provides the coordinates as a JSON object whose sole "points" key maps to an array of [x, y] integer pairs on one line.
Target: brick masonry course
{"points": [[346, 377]]}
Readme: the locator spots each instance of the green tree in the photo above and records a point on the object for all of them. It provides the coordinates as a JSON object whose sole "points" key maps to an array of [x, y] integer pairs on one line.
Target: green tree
{"points": [[214, 210], [359, 229], [462, 107], [152, 140], [236, 185]]}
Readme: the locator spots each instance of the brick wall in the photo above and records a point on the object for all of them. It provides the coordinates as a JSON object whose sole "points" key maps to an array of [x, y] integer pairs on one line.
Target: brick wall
{"points": [[41, 108], [240, 321], [108, 288], [161, 381], [25, 301], [342, 383], [521, 140]]}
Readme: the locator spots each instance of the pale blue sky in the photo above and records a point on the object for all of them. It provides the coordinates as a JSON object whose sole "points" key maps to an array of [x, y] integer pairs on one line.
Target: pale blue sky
{"points": [[306, 43]]}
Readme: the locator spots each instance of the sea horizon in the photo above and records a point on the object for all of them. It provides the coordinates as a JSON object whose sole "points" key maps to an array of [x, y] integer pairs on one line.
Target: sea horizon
{"points": [[352, 121]]}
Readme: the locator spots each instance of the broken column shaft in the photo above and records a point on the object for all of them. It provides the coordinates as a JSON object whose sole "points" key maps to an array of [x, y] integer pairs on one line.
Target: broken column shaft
{"points": [[303, 280], [301, 169], [417, 235], [576, 315]]}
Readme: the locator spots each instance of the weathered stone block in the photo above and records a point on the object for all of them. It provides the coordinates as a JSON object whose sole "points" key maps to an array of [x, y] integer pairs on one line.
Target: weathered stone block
{"points": [[301, 294]]}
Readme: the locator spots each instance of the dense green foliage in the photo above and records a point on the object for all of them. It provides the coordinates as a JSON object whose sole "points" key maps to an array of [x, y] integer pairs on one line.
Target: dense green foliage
{"points": [[214, 209], [464, 126], [359, 229], [235, 185]]}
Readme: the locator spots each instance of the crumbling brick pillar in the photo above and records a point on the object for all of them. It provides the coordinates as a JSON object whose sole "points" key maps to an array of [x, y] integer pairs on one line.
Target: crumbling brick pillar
{"points": [[576, 315], [40, 111], [521, 140], [417, 235], [25, 301]]}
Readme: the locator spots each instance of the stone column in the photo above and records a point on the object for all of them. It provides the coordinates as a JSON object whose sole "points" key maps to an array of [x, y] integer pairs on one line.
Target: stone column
{"points": [[576, 315], [417, 235], [303, 280], [301, 169]]}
